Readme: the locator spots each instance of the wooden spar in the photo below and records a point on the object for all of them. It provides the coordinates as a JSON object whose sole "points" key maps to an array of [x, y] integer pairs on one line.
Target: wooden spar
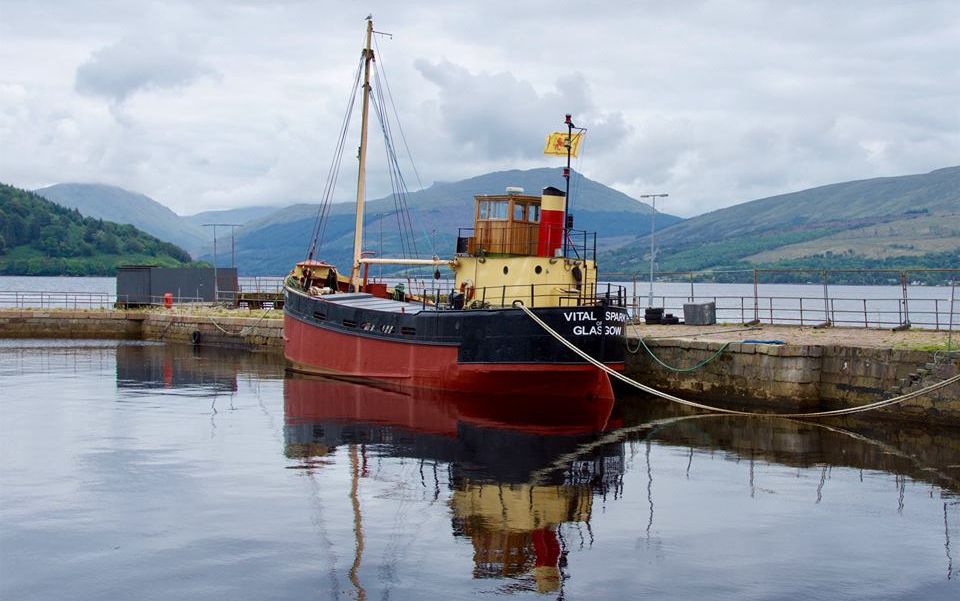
{"points": [[362, 175], [385, 261]]}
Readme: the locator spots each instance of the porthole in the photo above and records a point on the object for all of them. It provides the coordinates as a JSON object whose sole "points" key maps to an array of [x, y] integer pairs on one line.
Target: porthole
{"points": [[506, 270], [538, 269]]}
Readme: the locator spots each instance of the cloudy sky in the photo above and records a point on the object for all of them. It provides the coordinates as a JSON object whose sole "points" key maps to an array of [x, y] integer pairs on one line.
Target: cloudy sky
{"points": [[226, 103]]}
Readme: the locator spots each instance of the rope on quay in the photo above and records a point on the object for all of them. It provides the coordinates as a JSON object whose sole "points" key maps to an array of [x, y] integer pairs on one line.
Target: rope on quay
{"points": [[641, 343], [240, 331], [848, 411]]}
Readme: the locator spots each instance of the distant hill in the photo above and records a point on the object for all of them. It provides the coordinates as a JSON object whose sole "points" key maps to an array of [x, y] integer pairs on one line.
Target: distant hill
{"points": [[273, 243], [889, 222], [39, 237], [240, 216], [122, 206]]}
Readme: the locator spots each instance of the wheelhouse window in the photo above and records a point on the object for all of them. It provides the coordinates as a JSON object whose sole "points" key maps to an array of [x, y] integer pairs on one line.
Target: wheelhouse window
{"points": [[518, 211], [533, 213], [498, 209]]}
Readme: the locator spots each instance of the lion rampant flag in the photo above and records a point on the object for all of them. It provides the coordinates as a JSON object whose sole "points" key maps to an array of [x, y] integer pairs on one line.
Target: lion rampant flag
{"points": [[557, 143]]}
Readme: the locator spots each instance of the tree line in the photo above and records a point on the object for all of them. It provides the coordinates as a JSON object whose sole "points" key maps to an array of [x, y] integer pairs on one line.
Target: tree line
{"points": [[38, 237]]}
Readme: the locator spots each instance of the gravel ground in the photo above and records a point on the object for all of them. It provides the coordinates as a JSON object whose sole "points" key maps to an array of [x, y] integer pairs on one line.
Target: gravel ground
{"points": [[858, 337]]}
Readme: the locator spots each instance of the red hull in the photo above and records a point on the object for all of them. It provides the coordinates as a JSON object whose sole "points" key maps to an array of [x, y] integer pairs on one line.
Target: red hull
{"points": [[437, 412], [315, 350]]}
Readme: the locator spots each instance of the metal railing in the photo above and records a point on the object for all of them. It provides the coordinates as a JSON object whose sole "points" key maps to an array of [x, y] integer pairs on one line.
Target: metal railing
{"points": [[264, 284], [41, 299], [442, 295], [798, 310], [825, 306]]}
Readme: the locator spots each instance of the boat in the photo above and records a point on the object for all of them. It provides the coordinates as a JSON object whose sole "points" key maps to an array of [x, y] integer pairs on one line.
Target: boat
{"points": [[474, 335]]}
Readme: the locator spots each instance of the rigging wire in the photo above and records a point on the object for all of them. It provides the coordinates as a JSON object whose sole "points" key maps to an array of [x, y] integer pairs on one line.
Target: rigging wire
{"points": [[409, 154], [397, 185], [323, 211], [403, 136], [400, 191]]}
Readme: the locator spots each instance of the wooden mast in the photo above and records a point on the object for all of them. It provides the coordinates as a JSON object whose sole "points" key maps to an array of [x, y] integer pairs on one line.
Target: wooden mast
{"points": [[362, 175]]}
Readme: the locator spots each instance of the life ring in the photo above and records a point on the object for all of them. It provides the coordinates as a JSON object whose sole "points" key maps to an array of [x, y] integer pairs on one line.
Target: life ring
{"points": [[466, 287]]}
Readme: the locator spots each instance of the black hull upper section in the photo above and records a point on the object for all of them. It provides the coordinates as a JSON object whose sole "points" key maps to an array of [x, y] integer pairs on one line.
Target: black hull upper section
{"points": [[504, 335]]}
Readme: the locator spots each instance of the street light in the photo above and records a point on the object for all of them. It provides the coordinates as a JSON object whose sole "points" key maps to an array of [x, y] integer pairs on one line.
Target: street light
{"points": [[653, 217], [233, 251]]}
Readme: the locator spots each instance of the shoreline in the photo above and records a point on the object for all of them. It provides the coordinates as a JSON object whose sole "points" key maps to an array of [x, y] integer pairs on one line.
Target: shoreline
{"points": [[828, 368]]}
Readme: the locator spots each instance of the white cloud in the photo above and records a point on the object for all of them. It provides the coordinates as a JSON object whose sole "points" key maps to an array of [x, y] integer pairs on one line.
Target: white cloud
{"points": [[237, 102]]}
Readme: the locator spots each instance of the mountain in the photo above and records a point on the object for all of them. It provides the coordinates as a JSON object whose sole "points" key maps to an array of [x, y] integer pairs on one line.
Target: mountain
{"points": [[273, 243], [39, 237], [240, 216], [122, 206], [887, 222]]}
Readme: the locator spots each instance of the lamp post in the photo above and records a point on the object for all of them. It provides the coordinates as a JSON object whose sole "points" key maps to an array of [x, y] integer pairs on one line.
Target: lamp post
{"points": [[233, 252], [653, 218]]}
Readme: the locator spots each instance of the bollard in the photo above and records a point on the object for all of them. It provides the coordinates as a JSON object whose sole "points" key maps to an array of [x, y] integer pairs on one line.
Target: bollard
{"points": [[168, 300]]}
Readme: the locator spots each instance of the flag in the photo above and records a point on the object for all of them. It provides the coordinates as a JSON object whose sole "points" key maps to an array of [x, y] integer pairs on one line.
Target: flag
{"points": [[557, 143]]}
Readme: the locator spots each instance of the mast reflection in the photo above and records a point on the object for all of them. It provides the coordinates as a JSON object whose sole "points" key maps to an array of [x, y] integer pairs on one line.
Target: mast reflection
{"points": [[509, 494]]}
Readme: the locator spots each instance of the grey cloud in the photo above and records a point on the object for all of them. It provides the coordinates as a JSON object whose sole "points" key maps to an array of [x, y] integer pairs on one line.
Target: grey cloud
{"points": [[133, 64], [499, 115]]}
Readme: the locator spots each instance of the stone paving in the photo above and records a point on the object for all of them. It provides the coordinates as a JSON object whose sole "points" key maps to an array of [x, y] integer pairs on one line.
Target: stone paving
{"points": [[913, 339]]}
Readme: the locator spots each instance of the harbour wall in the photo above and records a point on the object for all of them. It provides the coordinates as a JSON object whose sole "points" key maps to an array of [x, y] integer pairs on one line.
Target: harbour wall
{"points": [[248, 333], [775, 377], [800, 377]]}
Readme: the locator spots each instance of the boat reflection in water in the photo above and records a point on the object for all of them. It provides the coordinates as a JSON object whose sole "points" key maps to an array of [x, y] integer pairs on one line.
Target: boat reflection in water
{"points": [[511, 487]]}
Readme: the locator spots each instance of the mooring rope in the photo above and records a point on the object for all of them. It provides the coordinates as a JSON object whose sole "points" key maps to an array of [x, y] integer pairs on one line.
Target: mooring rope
{"points": [[612, 372], [242, 328], [681, 370]]}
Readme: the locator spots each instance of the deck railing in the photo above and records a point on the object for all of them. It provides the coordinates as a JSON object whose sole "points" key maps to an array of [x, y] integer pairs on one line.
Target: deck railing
{"points": [[438, 293]]}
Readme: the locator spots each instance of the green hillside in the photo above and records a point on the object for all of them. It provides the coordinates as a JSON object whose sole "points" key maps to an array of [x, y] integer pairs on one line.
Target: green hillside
{"points": [[38, 237], [122, 206], [272, 244], [891, 222]]}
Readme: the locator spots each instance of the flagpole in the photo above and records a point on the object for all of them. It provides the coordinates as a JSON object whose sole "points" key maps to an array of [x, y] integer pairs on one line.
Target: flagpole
{"points": [[566, 176]]}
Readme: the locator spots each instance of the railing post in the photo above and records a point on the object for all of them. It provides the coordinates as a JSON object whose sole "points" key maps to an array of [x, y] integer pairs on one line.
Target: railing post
{"points": [[770, 299], [826, 303], [906, 307], [801, 310], [691, 287], [953, 291], [866, 324], [756, 299]]}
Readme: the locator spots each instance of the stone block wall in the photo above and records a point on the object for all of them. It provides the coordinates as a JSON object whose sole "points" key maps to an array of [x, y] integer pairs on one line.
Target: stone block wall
{"points": [[805, 377], [776, 377], [65, 323], [264, 335]]}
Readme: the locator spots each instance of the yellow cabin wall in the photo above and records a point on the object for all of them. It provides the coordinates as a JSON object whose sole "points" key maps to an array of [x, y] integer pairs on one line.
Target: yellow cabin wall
{"points": [[554, 286]]}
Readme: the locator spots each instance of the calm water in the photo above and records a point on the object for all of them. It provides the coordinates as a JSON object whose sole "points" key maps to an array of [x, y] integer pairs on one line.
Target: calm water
{"points": [[134, 471]]}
